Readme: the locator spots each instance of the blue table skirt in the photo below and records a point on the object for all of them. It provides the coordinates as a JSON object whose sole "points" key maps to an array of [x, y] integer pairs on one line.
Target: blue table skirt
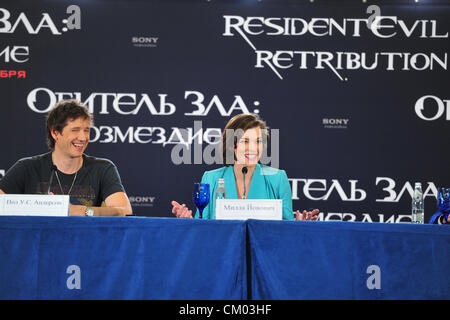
{"points": [[186, 259], [348, 260], [121, 258]]}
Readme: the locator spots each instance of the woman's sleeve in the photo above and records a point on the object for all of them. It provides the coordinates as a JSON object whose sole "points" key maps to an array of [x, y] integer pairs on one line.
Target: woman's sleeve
{"points": [[286, 196]]}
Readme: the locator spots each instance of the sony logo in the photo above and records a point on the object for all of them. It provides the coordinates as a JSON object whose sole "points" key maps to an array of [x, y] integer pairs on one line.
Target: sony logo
{"points": [[144, 40], [335, 121], [141, 199]]}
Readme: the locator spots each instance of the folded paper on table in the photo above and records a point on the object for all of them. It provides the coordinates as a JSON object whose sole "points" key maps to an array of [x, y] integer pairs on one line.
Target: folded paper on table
{"points": [[34, 205], [243, 209]]}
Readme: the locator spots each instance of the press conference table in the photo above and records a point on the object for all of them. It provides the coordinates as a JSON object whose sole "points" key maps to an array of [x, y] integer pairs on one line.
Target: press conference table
{"points": [[187, 259]]}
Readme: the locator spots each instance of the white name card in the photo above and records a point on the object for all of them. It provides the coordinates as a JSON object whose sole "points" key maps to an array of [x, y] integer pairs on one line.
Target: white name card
{"points": [[243, 209], [34, 205]]}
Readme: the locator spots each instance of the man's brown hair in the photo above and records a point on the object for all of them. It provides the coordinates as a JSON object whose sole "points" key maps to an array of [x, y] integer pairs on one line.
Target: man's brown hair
{"points": [[61, 113]]}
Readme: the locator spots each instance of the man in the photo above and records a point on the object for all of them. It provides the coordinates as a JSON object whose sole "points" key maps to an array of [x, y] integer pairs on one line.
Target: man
{"points": [[93, 184]]}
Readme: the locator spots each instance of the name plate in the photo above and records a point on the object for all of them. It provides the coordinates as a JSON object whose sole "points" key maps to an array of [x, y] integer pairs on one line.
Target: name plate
{"points": [[34, 205], [243, 209]]}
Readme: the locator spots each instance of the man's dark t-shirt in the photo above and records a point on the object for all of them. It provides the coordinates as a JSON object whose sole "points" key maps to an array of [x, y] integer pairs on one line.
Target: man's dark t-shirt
{"points": [[95, 181]]}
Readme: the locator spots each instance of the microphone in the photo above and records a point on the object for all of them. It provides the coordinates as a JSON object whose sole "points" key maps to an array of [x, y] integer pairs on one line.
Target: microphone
{"points": [[244, 172], [54, 168]]}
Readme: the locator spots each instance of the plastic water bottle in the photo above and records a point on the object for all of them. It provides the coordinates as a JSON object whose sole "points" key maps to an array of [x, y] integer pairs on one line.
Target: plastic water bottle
{"points": [[417, 204], [220, 193]]}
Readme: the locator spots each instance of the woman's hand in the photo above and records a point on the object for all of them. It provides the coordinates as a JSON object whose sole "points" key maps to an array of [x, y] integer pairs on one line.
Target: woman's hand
{"points": [[180, 210], [307, 215]]}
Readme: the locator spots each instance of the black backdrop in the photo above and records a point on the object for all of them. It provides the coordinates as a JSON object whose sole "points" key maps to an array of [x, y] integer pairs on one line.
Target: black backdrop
{"points": [[353, 136]]}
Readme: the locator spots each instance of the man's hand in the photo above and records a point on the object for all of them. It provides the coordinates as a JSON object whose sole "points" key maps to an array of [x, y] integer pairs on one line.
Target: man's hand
{"points": [[117, 204], [77, 210]]}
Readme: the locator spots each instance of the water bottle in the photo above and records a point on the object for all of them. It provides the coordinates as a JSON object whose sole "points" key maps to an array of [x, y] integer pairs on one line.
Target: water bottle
{"points": [[220, 193], [417, 204]]}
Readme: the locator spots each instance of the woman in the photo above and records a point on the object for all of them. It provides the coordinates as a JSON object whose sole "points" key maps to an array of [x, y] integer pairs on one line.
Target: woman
{"points": [[243, 142]]}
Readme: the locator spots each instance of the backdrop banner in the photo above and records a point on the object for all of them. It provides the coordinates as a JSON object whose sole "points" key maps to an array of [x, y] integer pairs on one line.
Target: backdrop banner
{"points": [[356, 96]]}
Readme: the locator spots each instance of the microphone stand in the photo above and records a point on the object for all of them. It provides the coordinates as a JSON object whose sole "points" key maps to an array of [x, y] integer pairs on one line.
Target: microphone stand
{"points": [[244, 172], [51, 178]]}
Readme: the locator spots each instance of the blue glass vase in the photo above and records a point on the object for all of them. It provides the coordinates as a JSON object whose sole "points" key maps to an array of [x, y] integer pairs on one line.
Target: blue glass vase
{"points": [[443, 204], [200, 196], [443, 200]]}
